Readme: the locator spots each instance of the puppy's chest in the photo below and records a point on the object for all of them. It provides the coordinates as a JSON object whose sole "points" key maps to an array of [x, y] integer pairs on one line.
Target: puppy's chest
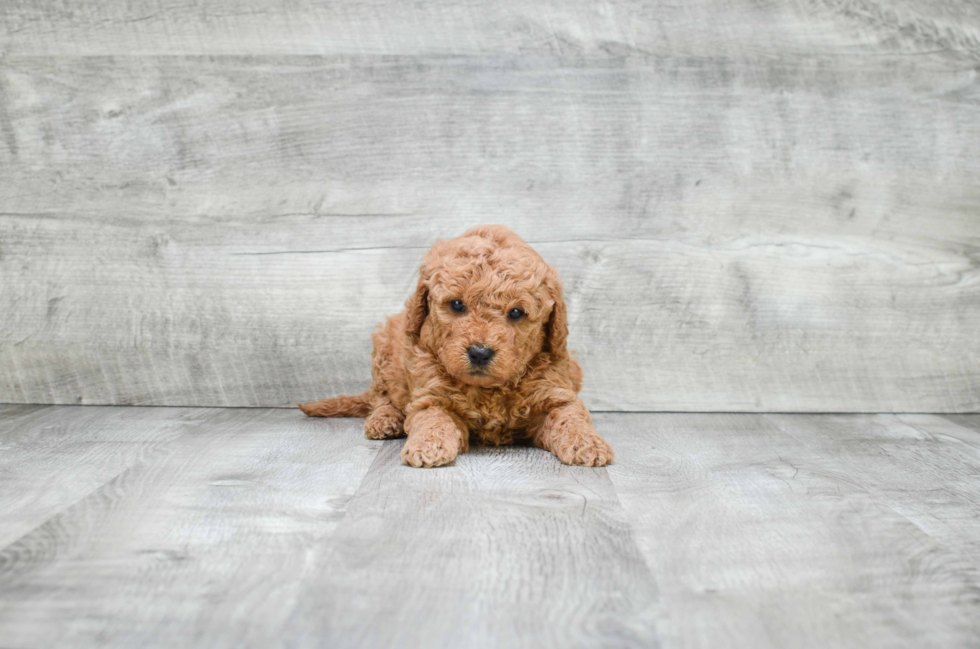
{"points": [[494, 416]]}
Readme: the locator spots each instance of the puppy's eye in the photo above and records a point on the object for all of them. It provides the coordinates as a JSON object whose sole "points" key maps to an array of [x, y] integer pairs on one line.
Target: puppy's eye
{"points": [[515, 314], [457, 306]]}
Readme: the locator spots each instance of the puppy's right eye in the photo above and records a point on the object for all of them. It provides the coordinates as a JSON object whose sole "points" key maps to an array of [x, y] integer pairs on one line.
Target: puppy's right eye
{"points": [[457, 306]]}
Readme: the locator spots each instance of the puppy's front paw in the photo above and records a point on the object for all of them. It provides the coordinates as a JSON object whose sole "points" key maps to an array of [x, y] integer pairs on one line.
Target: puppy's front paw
{"points": [[384, 422], [582, 446], [431, 448]]}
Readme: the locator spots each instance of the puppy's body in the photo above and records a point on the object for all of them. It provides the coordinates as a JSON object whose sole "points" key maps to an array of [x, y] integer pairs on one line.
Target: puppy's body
{"points": [[479, 351]]}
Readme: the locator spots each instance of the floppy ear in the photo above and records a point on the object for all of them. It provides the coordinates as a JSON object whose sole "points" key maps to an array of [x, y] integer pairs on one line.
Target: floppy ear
{"points": [[556, 331], [418, 309]]}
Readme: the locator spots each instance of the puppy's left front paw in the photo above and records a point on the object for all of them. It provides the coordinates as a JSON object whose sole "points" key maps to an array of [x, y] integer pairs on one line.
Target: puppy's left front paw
{"points": [[582, 448]]}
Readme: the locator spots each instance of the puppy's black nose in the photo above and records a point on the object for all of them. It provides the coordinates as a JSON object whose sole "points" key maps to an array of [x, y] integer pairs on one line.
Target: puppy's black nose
{"points": [[479, 355]]}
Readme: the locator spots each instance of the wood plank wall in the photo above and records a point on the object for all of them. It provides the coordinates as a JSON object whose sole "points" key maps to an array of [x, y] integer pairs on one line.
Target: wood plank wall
{"points": [[754, 206]]}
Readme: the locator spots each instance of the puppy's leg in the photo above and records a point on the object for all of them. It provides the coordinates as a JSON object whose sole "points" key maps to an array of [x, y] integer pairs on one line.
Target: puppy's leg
{"points": [[434, 438], [567, 432], [385, 421]]}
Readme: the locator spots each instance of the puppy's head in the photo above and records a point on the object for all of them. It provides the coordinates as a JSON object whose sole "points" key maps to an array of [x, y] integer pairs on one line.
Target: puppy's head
{"points": [[486, 305]]}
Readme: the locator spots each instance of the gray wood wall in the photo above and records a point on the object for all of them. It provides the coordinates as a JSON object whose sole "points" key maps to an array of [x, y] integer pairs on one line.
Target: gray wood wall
{"points": [[754, 205]]}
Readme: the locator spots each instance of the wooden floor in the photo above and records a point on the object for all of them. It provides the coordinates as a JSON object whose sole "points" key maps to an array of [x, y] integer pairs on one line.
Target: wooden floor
{"points": [[123, 527]]}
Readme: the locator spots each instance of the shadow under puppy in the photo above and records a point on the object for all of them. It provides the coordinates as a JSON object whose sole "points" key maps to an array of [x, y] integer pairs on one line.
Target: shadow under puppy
{"points": [[479, 351]]}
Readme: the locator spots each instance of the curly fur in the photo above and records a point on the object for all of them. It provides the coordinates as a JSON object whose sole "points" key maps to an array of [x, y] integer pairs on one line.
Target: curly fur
{"points": [[423, 384]]}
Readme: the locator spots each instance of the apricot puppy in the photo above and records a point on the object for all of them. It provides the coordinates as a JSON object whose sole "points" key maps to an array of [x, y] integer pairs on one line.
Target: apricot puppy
{"points": [[478, 351]]}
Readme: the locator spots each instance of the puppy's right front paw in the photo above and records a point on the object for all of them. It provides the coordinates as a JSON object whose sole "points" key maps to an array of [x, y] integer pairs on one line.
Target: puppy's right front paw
{"points": [[430, 448], [384, 423]]}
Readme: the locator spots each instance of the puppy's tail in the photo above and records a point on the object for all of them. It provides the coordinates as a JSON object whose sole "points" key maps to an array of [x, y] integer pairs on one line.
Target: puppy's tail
{"points": [[342, 406]]}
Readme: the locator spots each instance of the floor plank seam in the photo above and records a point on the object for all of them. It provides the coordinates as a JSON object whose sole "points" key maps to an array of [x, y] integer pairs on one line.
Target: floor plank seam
{"points": [[4, 552]]}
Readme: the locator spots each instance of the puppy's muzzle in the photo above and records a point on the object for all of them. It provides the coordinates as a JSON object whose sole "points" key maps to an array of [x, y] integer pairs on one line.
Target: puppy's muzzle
{"points": [[479, 355]]}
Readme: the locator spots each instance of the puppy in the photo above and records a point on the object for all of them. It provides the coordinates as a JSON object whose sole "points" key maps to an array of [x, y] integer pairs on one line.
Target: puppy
{"points": [[478, 351]]}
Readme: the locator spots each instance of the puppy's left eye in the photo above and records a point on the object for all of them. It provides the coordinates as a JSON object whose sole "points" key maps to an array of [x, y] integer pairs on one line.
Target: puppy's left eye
{"points": [[515, 314]]}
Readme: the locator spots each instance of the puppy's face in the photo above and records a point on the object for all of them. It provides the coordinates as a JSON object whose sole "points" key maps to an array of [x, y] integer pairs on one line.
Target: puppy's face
{"points": [[488, 306]]}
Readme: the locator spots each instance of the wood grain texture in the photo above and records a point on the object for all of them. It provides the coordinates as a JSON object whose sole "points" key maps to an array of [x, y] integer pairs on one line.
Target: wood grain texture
{"points": [[790, 235], [200, 545], [79, 450], [755, 207], [388, 27], [934, 459], [971, 422], [505, 548], [845, 531], [258, 528], [231, 539]]}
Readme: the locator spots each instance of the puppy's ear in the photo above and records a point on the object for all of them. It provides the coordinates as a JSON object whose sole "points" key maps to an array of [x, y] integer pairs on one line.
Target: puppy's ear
{"points": [[417, 310], [556, 331]]}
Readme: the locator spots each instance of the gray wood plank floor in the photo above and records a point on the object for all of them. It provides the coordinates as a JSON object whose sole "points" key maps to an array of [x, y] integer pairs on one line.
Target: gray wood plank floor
{"points": [[227, 527]]}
